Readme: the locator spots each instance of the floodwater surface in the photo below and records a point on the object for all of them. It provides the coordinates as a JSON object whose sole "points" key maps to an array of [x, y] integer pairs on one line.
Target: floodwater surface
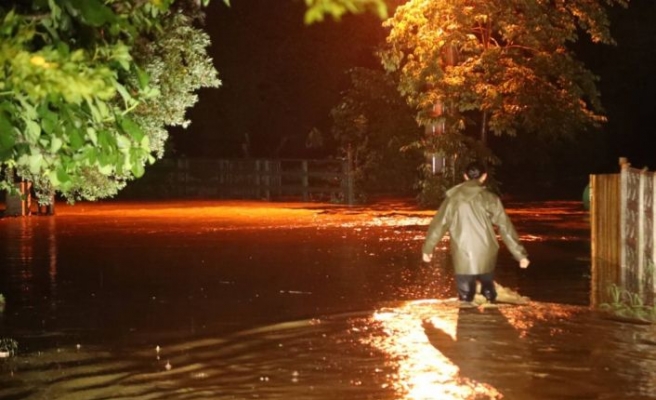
{"points": [[247, 300]]}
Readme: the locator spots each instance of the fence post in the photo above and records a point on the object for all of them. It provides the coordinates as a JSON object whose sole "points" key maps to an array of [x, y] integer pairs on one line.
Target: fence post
{"points": [[267, 179], [624, 262], [652, 256], [305, 182], [258, 183], [347, 178], [641, 234], [637, 226], [19, 203]]}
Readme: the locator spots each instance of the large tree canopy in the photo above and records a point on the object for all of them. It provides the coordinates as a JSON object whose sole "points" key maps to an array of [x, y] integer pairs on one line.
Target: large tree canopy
{"points": [[508, 60], [88, 86], [505, 66]]}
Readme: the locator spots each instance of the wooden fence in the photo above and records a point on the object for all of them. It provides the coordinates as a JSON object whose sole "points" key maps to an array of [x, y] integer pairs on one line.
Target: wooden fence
{"points": [[282, 179], [622, 228]]}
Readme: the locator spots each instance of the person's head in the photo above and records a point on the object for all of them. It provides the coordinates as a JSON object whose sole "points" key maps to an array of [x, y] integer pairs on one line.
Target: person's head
{"points": [[475, 170]]}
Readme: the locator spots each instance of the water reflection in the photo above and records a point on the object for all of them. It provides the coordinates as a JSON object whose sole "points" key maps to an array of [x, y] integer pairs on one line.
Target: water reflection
{"points": [[417, 350], [425, 372], [30, 258], [534, 351]]}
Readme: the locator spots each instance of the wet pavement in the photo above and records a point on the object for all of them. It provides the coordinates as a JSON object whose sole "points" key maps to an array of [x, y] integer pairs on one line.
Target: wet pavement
{"points": [[249, 300]]}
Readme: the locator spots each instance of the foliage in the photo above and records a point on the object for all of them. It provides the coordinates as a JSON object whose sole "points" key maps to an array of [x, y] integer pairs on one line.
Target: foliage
{"points": [[510, 60], [81, 102], [627, 304], [374, 124], [503, 66], [459, 150], [8, 347], [178, 66], [317, 9]]}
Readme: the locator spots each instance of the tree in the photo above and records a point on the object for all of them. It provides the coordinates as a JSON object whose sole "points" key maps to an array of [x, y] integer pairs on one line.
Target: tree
{"points": [[502, 66], [373, 125], [87, 88]]}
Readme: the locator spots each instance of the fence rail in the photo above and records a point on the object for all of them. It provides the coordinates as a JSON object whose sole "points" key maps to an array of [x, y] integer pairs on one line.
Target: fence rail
{"points": [[307, 180], [622, 232]]}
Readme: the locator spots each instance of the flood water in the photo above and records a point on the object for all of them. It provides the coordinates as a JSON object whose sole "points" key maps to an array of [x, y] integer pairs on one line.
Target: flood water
{"points": [[244, 300]]}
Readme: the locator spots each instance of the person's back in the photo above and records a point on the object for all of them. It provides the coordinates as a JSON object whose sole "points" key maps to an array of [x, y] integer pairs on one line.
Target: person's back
{"points": [[469, 213]]}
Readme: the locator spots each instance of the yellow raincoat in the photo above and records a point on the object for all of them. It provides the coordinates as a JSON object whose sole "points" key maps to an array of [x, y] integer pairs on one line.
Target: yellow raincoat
{"points": [[469, 213]]}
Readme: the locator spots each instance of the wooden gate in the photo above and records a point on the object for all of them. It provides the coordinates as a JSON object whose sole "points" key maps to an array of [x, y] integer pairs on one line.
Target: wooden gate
{"points": [[622, 233]]}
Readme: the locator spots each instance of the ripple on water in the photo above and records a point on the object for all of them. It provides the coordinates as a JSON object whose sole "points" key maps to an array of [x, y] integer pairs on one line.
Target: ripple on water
{"points": [[426, 349]]}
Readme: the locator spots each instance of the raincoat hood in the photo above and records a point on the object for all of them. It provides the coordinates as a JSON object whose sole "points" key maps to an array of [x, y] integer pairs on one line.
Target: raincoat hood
{"points": [[466, 191]]}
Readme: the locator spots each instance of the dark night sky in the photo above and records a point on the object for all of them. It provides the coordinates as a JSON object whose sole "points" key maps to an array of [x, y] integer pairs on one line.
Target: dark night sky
{"points": [[281, 78], [628, 83]]}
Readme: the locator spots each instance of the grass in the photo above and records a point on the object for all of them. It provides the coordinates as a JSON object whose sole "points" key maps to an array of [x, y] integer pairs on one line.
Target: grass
{"points": [[629, 305]]}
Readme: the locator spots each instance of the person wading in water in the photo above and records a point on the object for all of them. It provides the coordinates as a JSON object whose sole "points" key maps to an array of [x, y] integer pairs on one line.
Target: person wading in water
{"points": [[469, 213]]}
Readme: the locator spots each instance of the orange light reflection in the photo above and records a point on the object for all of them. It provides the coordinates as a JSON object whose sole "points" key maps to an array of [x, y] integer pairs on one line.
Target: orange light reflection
{"points": [[525, 317], [422, 371]]}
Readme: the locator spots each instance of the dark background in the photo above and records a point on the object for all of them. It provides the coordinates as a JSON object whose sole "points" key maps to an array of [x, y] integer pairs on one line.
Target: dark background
{"points": [[280, 78]]}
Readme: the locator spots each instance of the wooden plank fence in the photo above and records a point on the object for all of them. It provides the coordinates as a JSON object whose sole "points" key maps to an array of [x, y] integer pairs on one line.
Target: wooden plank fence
{"points": [[622, 233], [262, 179]]}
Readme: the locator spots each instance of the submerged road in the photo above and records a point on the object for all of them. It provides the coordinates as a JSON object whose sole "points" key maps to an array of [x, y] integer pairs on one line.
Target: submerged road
{"points": [[246, 300]]}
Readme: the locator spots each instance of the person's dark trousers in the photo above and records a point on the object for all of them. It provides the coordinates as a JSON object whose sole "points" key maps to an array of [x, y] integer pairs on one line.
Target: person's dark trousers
{"points": [[467, 286]]}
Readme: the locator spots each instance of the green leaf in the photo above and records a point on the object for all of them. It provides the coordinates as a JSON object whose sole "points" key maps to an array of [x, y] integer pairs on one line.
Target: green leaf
{"points": [[49, 120], [32, 131], [93, 136], [7, 27], [143, 77], [92, 155], [75, 139], [54, 181], [95, 112], [123, 143], [94, 12], [127, 99], [145, 143], [55, 144], [35, 163], [106, 169], [132, 129], [62, 176], [138, 169], [313, 15], [7, 135]]}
